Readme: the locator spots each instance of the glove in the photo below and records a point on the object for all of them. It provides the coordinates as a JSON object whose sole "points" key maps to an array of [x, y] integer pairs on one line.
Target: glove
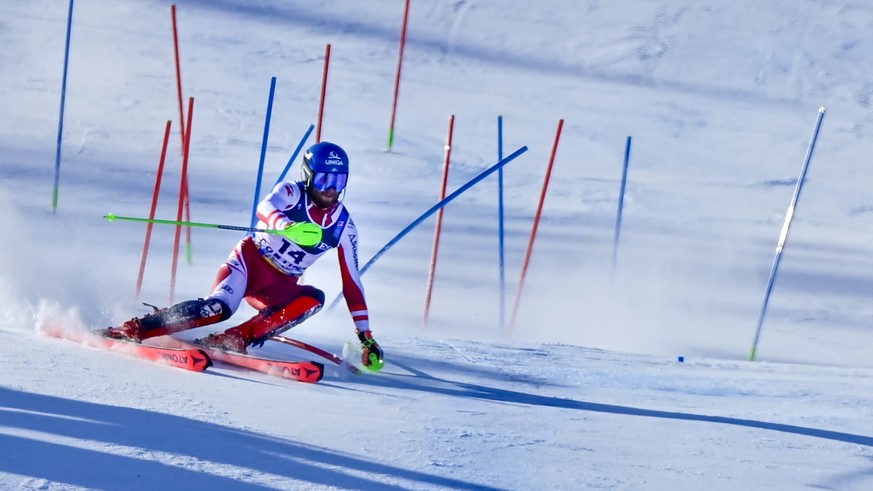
{"points": [[303, 233], [372, 356]]}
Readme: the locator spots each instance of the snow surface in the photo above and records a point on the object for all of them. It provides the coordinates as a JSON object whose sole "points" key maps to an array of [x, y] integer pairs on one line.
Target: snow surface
{"points": [[585, 390]]}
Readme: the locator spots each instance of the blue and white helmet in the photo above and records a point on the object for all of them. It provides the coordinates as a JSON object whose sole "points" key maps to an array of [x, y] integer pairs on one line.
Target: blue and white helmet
{"points": [[325, 166]]}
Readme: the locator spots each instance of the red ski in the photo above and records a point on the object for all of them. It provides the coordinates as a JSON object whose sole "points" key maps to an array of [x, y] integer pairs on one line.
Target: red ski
{"points": [[189, 358], [299, 370]]}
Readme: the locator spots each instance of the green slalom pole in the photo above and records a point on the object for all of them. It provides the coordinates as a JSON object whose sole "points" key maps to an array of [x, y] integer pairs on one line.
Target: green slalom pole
{"points": [[304, 233]]}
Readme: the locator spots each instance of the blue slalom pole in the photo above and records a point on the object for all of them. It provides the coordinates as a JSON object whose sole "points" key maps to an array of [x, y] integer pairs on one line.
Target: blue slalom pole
{"points": [[783, 236], [424, 216], [294, 155], [263, 152], [500, 233], [620, 204], [61, 117]]}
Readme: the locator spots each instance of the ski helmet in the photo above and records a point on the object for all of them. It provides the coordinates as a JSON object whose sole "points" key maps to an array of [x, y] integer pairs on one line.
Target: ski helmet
{"points": [[325, 165]]}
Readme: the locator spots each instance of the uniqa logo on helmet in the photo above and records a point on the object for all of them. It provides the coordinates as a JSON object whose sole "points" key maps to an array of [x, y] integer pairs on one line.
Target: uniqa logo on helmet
{"points": [[334, 160], [326, 157]]}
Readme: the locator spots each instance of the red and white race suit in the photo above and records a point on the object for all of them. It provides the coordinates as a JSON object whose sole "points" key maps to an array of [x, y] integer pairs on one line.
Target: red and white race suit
{"points": [[265, 268]]}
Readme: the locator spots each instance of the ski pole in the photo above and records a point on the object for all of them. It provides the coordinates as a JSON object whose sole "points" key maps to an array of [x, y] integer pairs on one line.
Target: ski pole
{"points": [[304, 233]]}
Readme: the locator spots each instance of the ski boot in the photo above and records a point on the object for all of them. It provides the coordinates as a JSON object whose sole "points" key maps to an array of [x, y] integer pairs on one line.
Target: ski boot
{"points": [[129, 331], [229, 340]]}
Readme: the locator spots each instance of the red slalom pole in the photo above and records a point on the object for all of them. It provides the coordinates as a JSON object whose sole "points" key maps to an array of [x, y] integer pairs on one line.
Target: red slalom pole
{"points": [[533, 233], [182, 134], [182, 186], [439, 222], [178, 75], [397, 77], [148, 234], [323, 93]]}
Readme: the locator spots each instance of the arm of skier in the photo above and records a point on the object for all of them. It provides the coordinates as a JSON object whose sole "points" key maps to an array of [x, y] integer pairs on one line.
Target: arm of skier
{"points": [[353, 289], [372, 355], [271, 209]]}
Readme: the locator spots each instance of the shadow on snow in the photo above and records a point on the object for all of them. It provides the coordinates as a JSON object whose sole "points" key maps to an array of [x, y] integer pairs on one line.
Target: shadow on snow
{"points": [[424, 382], [193, 447]]}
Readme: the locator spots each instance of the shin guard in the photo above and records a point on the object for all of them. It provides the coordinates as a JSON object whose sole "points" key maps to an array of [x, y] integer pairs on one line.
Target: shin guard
{"points": [[260, 327], [183, 316]]}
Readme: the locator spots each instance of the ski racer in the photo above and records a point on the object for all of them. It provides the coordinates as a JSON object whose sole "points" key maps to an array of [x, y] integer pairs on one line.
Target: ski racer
{"points": [[265, 269]]}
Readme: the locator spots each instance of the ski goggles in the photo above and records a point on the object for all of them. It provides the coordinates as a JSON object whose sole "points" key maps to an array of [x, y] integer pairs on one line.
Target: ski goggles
{"points": [[324, 181]]}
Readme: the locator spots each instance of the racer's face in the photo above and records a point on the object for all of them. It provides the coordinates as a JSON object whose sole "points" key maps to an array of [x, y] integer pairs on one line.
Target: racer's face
{"points": [[324, 199]]}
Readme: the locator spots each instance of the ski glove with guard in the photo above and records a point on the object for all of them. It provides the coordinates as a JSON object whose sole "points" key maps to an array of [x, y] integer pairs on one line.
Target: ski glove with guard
{"points": [[372, 356]]}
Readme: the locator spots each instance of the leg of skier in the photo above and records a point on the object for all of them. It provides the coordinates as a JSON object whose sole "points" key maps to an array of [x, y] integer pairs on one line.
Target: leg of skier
{"points": [[184, 315], [283, 315], [280, 301], [227, 293]]}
